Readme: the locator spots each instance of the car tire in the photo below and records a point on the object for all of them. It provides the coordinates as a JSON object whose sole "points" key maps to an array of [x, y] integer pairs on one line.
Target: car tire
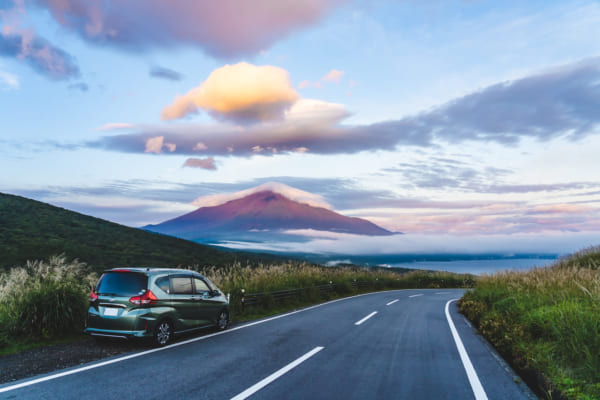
{"points": [[223, 320], [163, 333]]}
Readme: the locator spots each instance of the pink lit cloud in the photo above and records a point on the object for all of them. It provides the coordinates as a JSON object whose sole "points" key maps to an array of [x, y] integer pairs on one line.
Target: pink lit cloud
{"points": [[112, 126], [333, 76], [306, 84], [204, 163], [561, 208], [25, 45], [224, 28], [157, 144], [497, 219]]}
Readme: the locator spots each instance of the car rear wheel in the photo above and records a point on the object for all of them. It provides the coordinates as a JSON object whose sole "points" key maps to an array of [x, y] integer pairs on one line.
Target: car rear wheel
{"points": [[163, 333], [223, 320]]}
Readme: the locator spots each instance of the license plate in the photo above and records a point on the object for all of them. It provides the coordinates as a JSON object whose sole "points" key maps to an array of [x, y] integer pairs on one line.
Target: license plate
{"points": [[110, 311]]}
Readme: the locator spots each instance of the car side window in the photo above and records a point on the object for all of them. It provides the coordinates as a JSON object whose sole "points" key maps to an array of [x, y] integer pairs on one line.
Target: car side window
{"points": [[201, 286], [163, 284], [181, 284], [210, 284]]}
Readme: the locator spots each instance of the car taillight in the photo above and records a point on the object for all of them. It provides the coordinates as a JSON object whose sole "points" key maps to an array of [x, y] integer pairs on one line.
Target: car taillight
{"points": [[93, 296], [146, 298]]}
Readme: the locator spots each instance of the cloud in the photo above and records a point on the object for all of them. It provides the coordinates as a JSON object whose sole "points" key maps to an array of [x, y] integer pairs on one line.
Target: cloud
{"points": [[165, 73], [559, 103], [8, 80], [80, 86], [156, 144], [306, 84], [452, 174], [443, 173], [204, 163], [200, 147], [306, 125], [242, 93], [355, 245], [308, 111], [333, 76], [225, 28], [287, 191], [25, 45], [46, 59], [561, 208], [115, 126]]}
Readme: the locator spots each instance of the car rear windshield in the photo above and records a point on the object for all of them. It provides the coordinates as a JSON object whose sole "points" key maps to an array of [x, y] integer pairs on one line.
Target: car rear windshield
{"points": [[121, 284]]}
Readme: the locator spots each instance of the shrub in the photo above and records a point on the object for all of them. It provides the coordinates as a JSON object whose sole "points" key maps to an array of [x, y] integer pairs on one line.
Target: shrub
{"points": [[44, 299]]}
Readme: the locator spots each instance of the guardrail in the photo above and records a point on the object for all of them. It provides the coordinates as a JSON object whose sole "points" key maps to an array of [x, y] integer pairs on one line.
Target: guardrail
{"points": [[280, 296]]}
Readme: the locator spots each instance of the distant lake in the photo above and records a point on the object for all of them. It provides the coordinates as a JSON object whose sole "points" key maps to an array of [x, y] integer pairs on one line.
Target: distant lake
{"points": [[478, 267]]}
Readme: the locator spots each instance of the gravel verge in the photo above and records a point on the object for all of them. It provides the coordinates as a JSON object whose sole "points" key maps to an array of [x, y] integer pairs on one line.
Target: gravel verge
{"points": [[28, 363], [42, 360]]}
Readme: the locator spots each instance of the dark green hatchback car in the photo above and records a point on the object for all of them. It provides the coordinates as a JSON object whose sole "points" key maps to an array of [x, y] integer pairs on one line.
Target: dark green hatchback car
{"points": [[154, 303]]}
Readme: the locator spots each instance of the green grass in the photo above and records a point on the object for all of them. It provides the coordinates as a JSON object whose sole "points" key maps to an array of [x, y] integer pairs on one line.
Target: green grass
{"points": [[31, 230], [546, 322]]}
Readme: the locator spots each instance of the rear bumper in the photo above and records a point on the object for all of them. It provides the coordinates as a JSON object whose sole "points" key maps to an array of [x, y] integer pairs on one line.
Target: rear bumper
{"points": [[116, 334]]}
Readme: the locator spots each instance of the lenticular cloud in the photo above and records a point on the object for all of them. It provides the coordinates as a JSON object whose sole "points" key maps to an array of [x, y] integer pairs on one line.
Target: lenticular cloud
{"points": [[224, 28], [242, 93]]}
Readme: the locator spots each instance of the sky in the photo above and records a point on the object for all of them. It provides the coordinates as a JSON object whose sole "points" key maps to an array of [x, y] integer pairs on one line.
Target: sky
{"points": [[467, 124]]}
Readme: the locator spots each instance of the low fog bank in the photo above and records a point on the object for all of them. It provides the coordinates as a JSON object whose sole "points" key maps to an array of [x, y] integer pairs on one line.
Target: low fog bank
{"points": [[503, 245]]}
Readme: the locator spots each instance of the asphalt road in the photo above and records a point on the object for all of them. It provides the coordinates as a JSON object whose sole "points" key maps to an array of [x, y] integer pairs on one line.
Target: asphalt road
{"points": [[387, 345]]}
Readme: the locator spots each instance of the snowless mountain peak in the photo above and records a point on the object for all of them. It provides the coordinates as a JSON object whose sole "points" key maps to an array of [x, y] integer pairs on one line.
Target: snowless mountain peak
{"points": [[289, 192]]}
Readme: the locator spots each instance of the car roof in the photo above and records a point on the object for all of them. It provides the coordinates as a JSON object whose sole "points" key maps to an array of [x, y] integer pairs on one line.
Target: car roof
{"points": [[153, 270]]}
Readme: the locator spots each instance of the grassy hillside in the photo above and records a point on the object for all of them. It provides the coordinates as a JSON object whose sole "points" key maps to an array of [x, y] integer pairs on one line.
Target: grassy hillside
{"points": [[546, 322], [31, 230]]}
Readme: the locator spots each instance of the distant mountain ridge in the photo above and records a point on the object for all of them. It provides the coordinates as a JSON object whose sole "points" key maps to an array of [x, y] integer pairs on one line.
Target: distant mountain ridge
{"points": [[259, 214], [31, 230]]}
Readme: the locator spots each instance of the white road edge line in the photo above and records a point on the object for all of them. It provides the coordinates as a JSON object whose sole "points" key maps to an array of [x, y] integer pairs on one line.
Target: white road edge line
{"points": [[391, 302], [143, 353], [464, 357], [416, 295], [365, 318], [269, 379]]}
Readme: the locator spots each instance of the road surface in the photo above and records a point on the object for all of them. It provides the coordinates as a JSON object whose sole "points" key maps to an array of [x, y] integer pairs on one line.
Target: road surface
{"points": [[403, 344]]}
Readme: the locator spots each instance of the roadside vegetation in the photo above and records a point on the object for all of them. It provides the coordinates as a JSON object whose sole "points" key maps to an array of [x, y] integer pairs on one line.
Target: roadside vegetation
{"points": [[546, 323], [238, 279], [46, 301], [43, 300]]}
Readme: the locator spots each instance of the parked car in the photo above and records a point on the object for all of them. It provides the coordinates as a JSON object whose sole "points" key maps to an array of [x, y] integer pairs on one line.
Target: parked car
{"points": [[154, 303]]}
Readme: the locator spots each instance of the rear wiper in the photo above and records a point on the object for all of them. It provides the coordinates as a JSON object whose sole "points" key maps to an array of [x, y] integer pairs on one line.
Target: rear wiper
{"points": [[108, 294]]}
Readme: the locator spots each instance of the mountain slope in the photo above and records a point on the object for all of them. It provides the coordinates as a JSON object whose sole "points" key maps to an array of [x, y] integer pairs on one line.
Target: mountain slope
{"points": [[259, 212], [33, 230]]}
